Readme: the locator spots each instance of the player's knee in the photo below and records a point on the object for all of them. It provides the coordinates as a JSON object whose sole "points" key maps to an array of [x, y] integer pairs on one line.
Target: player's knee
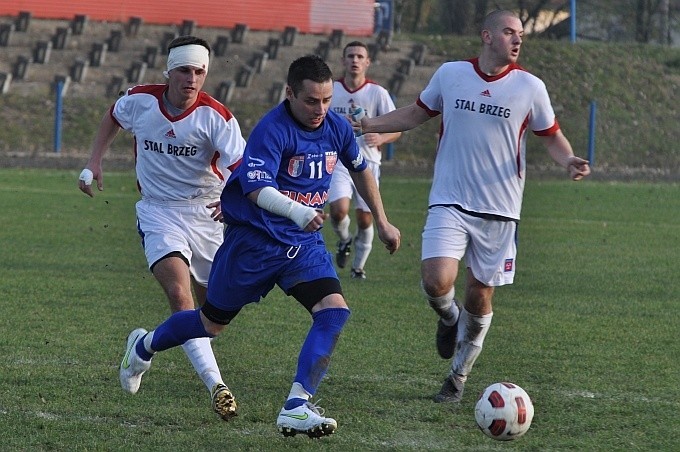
{"points": [[436, 288]]}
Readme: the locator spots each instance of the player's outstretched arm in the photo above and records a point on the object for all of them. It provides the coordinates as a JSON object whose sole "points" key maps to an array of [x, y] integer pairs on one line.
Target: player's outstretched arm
{"points": [[368, 189], [399, 120], [561, 152], [108, 129]]}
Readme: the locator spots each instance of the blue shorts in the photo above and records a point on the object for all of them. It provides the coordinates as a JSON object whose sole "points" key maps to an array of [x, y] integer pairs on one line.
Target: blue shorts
{"points": [[249, 263]]}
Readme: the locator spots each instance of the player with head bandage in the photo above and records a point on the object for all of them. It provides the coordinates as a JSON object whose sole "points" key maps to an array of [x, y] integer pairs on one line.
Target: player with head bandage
{"points": [[187, 145]]}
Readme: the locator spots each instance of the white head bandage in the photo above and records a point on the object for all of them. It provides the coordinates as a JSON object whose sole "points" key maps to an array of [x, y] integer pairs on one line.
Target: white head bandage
{"points": [[188, 55]]}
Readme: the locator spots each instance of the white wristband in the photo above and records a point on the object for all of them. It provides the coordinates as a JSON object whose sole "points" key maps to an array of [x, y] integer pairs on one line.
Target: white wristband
{"points": [[274, 201], [86, 176]]}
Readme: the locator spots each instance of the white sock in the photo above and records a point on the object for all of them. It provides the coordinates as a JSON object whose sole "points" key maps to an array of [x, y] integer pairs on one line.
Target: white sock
{"points": [[472, 330], [363, 242], [297, 391], [201, 355], [342, 229], [444, 305]]}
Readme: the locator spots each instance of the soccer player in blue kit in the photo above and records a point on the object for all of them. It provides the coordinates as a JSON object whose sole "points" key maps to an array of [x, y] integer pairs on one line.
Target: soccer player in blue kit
{"points": [[274, 210]]}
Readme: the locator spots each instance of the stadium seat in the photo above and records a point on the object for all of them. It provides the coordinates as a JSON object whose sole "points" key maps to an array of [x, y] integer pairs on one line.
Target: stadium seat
{"points": [[277, 93], [136, 72], [20, 67], [5, 34], [418, 54], [78, 24], [224, 91], [221, 45], [167, 38], [133, 26], [5, 81], [23, 20], [187, 28], [289, 35], [259, 61], [150, 56], [238, 34], [115, 87], [273, 48], [65, 82], [79, 69], [98, 53], [384, 39], [323, 49], [336, 38], [42, 51], [406, 66], [395, 84], [114, 41], [245, 76], [60, 38]]}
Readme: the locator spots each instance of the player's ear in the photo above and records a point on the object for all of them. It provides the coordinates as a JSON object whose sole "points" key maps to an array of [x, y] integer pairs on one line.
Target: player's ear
{"points": [[289, 92]]}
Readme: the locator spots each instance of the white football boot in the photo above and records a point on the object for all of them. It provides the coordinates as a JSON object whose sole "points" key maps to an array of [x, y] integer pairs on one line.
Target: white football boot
{"points": [[133, 367], [307, 419]]}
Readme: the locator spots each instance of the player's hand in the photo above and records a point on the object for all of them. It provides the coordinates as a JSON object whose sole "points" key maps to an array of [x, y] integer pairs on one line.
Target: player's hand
{"points": [[317, 221], [372, 139], [216, 213], [578, 168], [87, 176], [355, 118], [390, 236]]}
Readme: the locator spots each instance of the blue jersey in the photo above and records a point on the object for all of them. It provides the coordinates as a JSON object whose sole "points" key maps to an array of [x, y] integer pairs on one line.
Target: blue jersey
{"points": [[297, 162]]}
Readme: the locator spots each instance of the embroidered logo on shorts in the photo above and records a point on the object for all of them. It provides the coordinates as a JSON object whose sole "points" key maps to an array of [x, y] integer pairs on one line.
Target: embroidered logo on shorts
{"points": [[509, 265]]}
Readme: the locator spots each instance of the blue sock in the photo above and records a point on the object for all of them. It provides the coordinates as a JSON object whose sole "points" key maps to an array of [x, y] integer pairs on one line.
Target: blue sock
{"points": [[177, 329], [315, 354], [142, 352], [293, 403]]}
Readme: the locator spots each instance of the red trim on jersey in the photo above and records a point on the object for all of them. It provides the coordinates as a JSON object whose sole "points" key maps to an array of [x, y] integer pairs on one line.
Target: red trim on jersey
{"points": [[134, 150], [548, 132], [492, 78], [367, 81], [430, 113], [518, 156], [113, 117], [235, 165], [213, 165]]}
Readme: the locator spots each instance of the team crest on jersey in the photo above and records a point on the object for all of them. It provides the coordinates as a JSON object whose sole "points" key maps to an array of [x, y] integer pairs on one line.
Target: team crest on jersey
{"points": [[295, 165], [331, 160], [509, 265], [170, 134]]}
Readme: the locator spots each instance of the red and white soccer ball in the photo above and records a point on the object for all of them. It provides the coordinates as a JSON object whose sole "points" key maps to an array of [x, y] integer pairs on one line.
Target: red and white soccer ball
{"points": [[504, 411]]}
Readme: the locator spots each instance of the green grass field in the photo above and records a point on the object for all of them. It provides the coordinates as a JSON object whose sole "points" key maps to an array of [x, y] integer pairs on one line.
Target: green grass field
{"points": [[589, 330]]}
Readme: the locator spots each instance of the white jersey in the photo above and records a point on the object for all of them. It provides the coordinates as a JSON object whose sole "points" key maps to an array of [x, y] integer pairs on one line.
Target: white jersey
{"points": [[481, 155], [182, 158], [373, 98]]}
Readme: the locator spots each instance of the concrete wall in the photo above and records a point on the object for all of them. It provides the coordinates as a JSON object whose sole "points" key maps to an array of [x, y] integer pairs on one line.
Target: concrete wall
{"points": [[354, 17]]}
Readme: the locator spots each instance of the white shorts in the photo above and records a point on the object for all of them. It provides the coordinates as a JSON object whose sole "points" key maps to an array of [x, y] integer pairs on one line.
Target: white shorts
{"points": [[184, 227], [342, 185], [489, 246]]}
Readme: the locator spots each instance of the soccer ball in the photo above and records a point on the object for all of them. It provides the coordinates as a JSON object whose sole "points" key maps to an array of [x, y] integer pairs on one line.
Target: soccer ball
{"points": [[504, 411]]}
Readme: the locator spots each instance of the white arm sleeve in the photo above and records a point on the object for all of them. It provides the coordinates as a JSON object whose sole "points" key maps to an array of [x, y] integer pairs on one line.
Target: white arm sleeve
{"points": [[274, 201]]}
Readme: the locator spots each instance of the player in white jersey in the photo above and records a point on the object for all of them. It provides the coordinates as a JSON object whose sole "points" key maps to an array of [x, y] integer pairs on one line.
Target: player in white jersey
{"points": [[186, 145], [487, 104], [352, 91]]}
